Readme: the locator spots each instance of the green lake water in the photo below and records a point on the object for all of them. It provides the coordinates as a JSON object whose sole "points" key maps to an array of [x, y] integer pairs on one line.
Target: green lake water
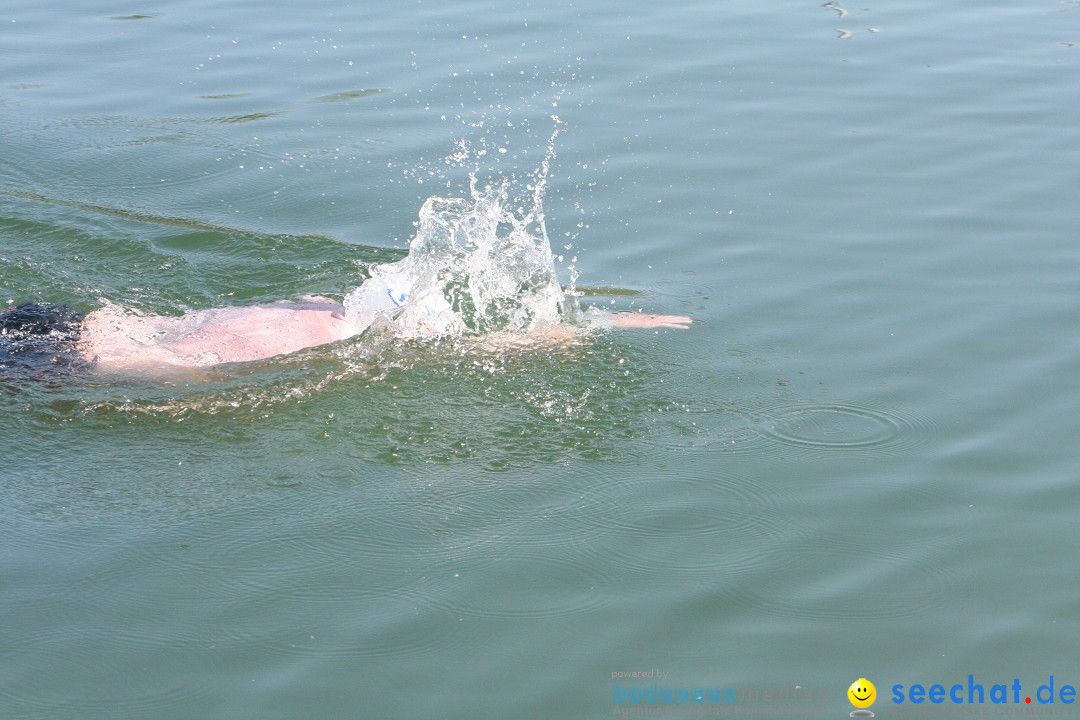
{"points": [[860, 461]]}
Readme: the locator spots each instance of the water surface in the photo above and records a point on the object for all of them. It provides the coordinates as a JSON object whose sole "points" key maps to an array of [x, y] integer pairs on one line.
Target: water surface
{"points": [[859, 462]]}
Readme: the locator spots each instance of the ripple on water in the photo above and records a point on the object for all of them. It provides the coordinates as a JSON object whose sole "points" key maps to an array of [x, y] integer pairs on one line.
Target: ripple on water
{"points": [[697, 428], [59, 575], [837, 426], [686, 506], [332, 621], [349, 95], [844, 580], [517, 512], [124, 138], [693, 527], [125, 684], [744, 433], [684, 292], [591, 508], [523, 586]]}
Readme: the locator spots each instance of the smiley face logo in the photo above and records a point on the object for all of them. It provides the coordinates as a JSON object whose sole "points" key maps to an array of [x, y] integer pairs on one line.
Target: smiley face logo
{"points": [[862, 693]]}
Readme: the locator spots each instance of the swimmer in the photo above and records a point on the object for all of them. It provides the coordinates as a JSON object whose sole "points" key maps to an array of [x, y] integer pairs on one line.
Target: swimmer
{"points": [[112, 339]]}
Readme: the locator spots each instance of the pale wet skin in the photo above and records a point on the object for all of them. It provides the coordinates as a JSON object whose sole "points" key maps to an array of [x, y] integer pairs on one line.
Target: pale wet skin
{"points": [[115, 339]]}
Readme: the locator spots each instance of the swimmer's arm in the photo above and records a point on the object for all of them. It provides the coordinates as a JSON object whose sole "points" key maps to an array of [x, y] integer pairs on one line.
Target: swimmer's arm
{"points": [[570, 334], [646, 320], [594, 317]]}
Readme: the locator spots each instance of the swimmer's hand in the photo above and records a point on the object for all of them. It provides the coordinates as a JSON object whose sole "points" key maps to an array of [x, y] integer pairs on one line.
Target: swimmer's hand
{"points": [[645, 320]]}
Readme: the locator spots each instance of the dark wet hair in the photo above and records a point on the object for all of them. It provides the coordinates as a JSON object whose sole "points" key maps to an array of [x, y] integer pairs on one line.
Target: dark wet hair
{"points": [[39, 336]]}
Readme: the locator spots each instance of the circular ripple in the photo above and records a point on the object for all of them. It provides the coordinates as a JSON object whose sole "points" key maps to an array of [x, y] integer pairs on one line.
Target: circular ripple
{"points": [[835, 426], [832, 426]]}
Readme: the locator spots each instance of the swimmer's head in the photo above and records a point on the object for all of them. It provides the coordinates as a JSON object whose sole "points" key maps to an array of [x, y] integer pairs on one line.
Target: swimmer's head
{"points": [[39, 319], [39, 337], [375, 298], [395, 299]]}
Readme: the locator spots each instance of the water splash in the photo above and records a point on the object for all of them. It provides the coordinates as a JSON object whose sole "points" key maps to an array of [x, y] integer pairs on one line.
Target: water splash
{"points": [[477, 265]]}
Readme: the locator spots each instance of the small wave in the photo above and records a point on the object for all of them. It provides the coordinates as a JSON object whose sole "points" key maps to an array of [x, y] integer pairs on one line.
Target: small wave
{"points": [[349, 95]]}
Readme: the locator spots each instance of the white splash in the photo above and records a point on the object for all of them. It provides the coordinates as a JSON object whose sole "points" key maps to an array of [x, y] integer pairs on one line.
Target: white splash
{"points": [[476, 265]]}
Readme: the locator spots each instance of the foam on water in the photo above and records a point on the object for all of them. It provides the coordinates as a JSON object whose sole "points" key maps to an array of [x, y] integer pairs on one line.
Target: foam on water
{"points": [[477, 265]]}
